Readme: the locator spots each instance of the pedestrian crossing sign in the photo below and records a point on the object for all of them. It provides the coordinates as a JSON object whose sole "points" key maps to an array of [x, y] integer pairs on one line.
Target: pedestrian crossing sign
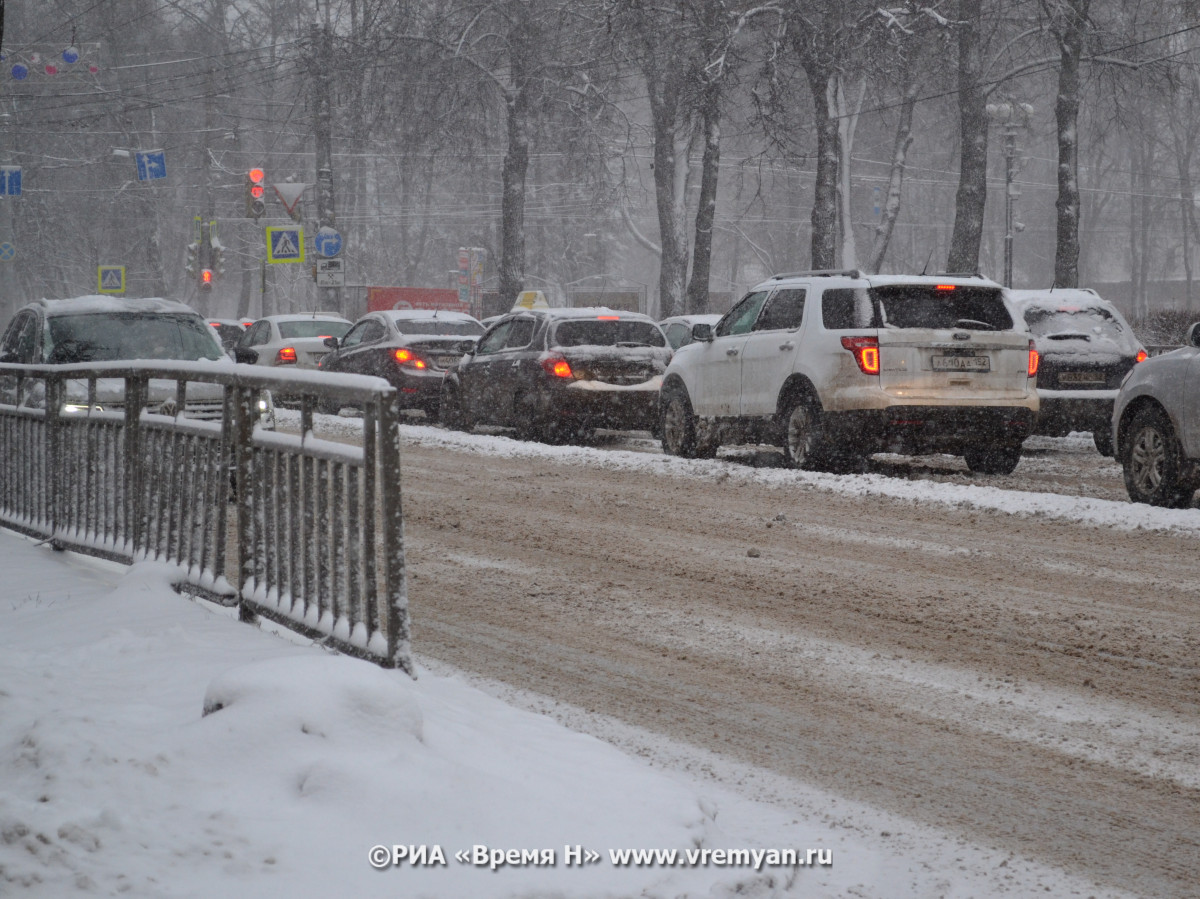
{"points": [[110, 279], [285, 244]]}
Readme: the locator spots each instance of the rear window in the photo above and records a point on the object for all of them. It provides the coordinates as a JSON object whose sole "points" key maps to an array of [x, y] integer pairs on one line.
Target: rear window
{"points": [[109, 336], [446, 327], [608, 332], [927, 306], [312, 328], [1074, 322]]}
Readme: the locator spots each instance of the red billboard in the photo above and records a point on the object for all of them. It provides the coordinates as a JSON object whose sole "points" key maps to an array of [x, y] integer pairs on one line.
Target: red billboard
{"points": [[380, 299]]}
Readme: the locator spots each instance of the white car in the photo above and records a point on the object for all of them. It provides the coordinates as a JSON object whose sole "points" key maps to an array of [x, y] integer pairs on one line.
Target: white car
{"points": [[296, 339], [835, 366], [1156, 426], [678, 328]]}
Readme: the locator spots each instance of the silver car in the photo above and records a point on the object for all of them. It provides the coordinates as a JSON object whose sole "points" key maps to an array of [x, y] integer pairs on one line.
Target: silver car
{"points": [[1156, 426]]}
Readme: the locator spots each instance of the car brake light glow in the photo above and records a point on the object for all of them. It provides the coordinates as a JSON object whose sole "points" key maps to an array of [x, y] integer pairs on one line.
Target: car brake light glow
{"points": [[1033, 359], [1142, 356], [407, 357], [558, 367], [286, 356], [608, 318], [866, 353], [944, 287]]}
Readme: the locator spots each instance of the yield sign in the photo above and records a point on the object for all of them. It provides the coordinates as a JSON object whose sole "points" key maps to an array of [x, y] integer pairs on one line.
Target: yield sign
{"points": [[289, 195]]}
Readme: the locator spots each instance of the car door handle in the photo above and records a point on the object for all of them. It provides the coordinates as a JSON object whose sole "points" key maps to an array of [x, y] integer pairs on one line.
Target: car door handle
{"points": [[732, 351], [787, 346]]}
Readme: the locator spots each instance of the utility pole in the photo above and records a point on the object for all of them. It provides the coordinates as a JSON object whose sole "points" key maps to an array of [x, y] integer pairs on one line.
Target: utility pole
{"points": [[322, 41]]}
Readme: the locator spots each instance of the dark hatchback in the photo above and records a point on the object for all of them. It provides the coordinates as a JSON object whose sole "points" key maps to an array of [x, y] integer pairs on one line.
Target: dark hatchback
{"points": [[411, 349], [557, 374], [1087, 348]]}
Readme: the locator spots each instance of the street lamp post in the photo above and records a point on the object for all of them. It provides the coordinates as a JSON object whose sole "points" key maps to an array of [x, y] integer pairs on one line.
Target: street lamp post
{"points": [[1011, 117]]}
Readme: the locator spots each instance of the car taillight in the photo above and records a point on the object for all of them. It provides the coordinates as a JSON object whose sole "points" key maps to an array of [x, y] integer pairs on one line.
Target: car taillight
{"points": [[866, 353], [557, 367], [1142, 356], [1033, 360], [409, 358], [286, 356]]}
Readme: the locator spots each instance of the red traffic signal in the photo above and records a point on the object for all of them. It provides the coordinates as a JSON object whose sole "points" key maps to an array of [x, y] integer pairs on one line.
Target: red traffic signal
{"points": [[255, 204], [206, 278]]}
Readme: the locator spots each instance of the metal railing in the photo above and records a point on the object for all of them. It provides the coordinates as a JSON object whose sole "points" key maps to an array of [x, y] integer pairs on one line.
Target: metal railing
{"points": [[142, 461]]}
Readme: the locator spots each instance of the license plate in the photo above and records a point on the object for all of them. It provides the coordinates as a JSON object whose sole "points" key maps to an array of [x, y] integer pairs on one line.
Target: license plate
{"points": [[446, 361], [962, 363], [1090, 378]]}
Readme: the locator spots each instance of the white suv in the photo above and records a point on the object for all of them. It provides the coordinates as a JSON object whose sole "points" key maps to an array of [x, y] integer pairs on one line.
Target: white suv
{"points": [[835, 366]]}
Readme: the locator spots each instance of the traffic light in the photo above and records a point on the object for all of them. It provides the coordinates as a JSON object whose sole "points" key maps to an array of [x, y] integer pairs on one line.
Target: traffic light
{"points": [[193, 257], [256, 203], [206, 279]]}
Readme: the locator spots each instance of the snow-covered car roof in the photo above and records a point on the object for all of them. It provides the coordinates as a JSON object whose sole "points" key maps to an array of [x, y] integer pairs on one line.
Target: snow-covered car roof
{"points": [[306, 317], [852, 275], [563, 312], [1058, 297], [428, 314], [95, 304]]}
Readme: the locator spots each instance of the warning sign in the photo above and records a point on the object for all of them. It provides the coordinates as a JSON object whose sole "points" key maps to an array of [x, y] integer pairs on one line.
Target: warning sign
{"points": [[285, 244], [110, 279]]}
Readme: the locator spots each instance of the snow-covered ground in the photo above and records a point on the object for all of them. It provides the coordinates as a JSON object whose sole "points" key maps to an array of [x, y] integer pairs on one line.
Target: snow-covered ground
{"points": [[154, 746]]}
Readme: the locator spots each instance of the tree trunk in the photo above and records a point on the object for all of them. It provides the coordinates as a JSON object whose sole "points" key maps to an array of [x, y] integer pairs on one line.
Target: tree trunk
{"points": [[973, 129], [825, 199], [512, 214], [891, 206], [670, 158], [698, 286], [1066, 112]]}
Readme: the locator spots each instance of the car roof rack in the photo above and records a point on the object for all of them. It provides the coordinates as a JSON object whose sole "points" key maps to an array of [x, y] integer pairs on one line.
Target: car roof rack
{"points": [[824, 273]]}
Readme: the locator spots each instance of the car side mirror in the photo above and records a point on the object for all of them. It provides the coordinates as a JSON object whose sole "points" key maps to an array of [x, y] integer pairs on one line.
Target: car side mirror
{"points": [[702, 331], [245, 355], [331, 342], [1193, 334]]}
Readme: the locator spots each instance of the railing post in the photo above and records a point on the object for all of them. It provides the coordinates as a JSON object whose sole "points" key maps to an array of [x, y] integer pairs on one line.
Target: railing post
{"points": [[243, 431], [55, 469], [395, 577]]}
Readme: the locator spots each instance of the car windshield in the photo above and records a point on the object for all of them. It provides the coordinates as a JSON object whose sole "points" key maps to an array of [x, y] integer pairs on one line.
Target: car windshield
{"points": [[1078, 322], [312, 328], [608, 332], [941, 306], [443, 326], [103, 337]]}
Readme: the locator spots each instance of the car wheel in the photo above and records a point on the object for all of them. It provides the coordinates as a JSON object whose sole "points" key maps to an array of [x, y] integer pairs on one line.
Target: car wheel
{"points": [[804, 442], [1103, 440], [677, 425], [1154, 463], [993, 458]]}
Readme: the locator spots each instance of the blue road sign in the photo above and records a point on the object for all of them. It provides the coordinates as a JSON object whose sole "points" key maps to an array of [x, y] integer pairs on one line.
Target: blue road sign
{"points": [[7, 252], [110, 278], [328, 241], [10, 180], [285, 244], [151, 164]]}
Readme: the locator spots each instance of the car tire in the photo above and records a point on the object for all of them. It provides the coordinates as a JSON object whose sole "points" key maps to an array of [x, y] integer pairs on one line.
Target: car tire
{"points": [[678, 427], [1153, 462], [1104, 442], [993, 458], [805, 442]]}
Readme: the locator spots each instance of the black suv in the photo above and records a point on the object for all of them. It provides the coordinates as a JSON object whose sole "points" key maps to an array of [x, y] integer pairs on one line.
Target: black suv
{"points": [[557, 374]]}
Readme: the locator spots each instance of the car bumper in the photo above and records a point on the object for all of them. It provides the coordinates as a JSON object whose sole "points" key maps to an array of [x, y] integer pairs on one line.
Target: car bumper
{"points": [[417, 389], [1064, 411], [931, 429], [620, 407]]}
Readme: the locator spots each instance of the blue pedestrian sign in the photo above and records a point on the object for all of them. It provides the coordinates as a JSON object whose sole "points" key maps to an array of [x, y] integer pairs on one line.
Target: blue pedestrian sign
{"points": [[285, 244], [151, 164], [328, 241], [7, 252], [10, 181], [110, 279]]}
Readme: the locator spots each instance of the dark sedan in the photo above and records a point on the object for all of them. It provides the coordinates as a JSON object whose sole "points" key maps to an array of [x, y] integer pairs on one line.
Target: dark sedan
{"points": [[410, 348], [557, 374]]}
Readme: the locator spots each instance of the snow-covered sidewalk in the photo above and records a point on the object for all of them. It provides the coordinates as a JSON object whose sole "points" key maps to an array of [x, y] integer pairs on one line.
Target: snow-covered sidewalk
{"points": [[154, 746]]}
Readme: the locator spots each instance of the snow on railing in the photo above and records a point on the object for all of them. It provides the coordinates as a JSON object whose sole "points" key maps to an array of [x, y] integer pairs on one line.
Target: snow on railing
{"points": [[175, 462]]}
